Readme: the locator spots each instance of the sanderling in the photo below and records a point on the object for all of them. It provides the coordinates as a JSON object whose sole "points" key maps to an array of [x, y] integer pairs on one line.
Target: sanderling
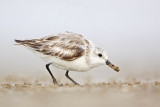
{"points": [[68, 51]]}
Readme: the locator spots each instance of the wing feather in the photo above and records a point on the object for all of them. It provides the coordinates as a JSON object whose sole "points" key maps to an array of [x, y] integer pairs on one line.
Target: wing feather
{"points": [[66, 46]]}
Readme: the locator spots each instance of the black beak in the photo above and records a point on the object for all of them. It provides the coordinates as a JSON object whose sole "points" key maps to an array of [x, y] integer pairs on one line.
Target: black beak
{"points": [[108, 62], [116, 68]]}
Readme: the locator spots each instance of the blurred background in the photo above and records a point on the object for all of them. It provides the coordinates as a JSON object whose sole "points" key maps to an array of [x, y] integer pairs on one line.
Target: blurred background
{"points": [[129, 30]]}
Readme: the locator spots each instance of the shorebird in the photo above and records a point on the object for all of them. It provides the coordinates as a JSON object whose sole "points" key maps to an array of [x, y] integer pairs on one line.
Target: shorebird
{"points": [[68, 51]]}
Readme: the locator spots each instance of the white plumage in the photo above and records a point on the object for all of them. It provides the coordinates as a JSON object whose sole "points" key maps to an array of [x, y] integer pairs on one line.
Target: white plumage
{"points": [[68, 51]]}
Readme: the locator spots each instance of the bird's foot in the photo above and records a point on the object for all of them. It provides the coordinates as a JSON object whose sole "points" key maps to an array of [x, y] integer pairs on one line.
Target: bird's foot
{"points": [[75, 83]]}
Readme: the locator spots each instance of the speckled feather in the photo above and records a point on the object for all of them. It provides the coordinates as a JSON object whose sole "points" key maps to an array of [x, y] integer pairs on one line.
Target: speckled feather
{"points": [[67, 46]]}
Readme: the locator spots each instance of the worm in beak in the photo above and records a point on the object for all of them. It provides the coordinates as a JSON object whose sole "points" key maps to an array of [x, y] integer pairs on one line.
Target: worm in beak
{"points": [[116, 68]]}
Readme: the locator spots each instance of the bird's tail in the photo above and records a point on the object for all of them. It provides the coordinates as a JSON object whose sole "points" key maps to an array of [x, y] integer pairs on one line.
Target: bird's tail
{"points": [[20, 42]]}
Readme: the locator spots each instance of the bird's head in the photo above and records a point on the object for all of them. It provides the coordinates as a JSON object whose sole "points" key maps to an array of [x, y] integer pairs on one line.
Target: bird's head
{"points": [[100, 57]]}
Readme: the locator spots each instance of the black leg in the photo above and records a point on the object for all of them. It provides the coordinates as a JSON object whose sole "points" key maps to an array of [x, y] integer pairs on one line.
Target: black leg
{"points": [[54, 80], [70, 78]]}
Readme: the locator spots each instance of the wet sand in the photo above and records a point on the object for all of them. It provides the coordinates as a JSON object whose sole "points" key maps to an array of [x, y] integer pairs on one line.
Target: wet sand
{"points": [[111, 94]]}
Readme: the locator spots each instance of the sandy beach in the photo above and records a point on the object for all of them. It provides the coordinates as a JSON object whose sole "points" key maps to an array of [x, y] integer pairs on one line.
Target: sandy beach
{"points": [[111, 94]]}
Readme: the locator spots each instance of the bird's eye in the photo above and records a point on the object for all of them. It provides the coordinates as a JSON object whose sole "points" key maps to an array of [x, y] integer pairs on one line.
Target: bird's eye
{"points": [[100, 55]]}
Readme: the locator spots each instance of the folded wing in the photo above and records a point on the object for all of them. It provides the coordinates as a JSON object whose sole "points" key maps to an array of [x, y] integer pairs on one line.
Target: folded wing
{"points": [[65, 46]]}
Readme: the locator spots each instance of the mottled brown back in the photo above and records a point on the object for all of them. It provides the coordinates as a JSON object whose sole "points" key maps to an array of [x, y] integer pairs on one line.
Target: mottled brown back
{"points": [[67, 46]]}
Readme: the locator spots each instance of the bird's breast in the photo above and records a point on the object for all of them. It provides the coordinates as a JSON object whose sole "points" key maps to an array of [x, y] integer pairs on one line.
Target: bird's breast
{"points": [[79, 65]]}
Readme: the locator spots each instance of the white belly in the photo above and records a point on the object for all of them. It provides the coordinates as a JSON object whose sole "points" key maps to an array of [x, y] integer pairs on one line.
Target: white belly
{"points": [[76, 65], [79, 64]]}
